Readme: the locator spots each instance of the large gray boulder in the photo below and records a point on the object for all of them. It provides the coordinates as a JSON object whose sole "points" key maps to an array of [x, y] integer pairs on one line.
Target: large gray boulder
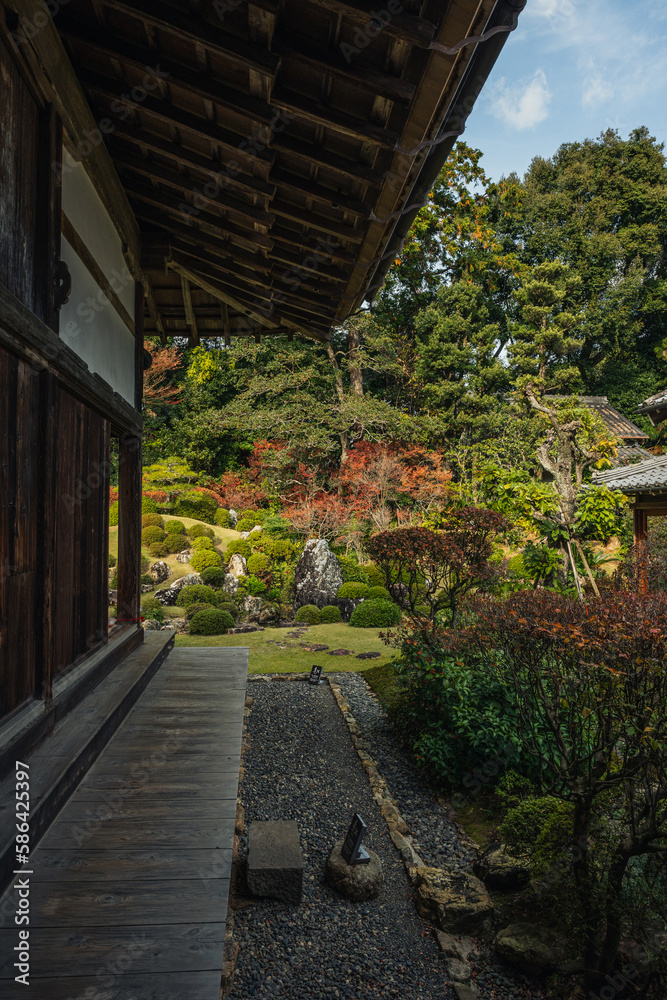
{"points": [[168, 597], [159, 571], [454, 901], [238, 566], [231, 584], [534, 949], [500, 870], [317, 576]]}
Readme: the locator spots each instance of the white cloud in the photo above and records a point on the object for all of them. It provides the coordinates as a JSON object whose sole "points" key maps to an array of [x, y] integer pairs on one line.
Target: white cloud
{"points": [[522, 104], [596, 90]]}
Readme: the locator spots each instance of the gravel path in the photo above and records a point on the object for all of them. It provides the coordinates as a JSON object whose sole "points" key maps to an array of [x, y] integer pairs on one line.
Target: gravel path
{"points": [[300, 765]]}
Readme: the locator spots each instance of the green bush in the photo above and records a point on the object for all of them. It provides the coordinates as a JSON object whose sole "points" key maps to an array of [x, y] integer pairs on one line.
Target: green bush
{"points": [[146, 578], [375, 614], [148, 505], [152, 521], [214, 576], [255, 586], [112, 561], [539, 827], [158, 550], [258, 515], [246, 523], [227, 604], [309, 614], [193, 609], [196, 592], [375, 575], [175, 542], [211, 623], [174, 527], [378, 594], [197, 505], [238, 547], [152, 608], [202, 542], [281, 549], [330, 615], [223, 518], [151, 535], [258, 564], [352, 572], [113, 582], [113, 514], [204, 558], [353, 591], [199, 530], [274, 524]]}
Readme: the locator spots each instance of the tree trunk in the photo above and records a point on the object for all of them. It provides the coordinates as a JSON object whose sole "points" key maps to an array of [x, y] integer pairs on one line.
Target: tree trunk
{"points": [[340, 392], [581, 872], [356, 374], [614, 912]]}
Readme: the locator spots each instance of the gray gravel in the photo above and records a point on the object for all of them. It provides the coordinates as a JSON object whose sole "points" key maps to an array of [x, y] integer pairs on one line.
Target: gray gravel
{"points": [[300, 765]]}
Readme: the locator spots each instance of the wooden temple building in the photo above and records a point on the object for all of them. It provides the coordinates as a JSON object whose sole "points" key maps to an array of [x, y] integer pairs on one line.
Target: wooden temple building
{"points": [[199, 168]]}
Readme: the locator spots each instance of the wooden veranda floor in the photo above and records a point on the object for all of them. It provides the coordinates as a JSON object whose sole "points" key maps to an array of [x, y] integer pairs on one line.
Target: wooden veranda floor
{"points": [[128, 896]]}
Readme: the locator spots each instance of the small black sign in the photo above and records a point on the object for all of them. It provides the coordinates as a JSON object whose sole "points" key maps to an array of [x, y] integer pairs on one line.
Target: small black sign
{"points": [[352, 852], [316, 675]]}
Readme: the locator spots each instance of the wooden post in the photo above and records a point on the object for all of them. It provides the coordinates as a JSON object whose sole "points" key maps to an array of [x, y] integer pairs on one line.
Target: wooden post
{"points": [[640, 518], [46, 534], [129, 529]]}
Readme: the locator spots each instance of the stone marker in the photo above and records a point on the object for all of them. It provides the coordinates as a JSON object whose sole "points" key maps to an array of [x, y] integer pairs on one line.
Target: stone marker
{"points": [[275, 862], [315, 675], [352, 852], [356, 882]]}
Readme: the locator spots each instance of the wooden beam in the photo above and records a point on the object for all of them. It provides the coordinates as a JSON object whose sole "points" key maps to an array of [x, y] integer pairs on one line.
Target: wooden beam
{"points": [[189, 311], [175, 73], [97, 274], [229, 280], [285, 179], [321, 223], [408, 27], [317, 155], [51, 63], [331, 118], [200, 31], [215, 289]]}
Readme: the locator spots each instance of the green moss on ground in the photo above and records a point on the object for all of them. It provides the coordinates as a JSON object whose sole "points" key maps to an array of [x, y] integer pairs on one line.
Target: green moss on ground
{"points": [[382, 679]]}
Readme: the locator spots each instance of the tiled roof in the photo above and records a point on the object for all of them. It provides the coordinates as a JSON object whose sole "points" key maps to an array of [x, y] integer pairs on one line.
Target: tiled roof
{"points": [[656, 402], [613, 419], [642, 477]]}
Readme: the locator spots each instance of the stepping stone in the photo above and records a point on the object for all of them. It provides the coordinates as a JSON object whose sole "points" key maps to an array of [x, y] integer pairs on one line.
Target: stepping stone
{"points": [[368, 656], [313, 647], [340, 652], [275, 862]]}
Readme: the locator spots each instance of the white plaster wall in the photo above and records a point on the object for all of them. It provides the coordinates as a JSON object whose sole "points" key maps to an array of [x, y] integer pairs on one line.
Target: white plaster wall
{"points": [[89, 323]]}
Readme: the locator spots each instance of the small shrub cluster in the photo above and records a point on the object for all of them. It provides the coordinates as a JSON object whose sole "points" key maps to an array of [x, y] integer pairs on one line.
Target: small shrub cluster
{"points": [[113, 514], [196, 592], [158, 550], [202, 542], [152, 521], [112, 561], [152, 608], [309, 614], [196, 505], [223, 518], [378, 594], [375, 614], [204, 558], [258, 564], [175, 542], [199, 530], [238, 547], [151, 535], [352, 591], [330, 615], [175, 527], [192, 609], [212, 622], [148, 505], [146, 578], [352, 571], [214, 576]]}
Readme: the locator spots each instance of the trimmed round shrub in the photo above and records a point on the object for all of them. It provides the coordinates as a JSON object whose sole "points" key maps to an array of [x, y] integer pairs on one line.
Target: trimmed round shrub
{"points": [[375, 614], [196, 592], [193, 609], [211, 623], [146, 578], [281, 549], [152, 521], [238, 547], [352, 591], [202, 542], [330, 615], [158, 550], [174, 527], [375, 575], [378, 594], [112, 561], [258, 564], [223, 518], [152, 534], [152, 608], [352, 572], [199, 530], [309, 614], [113, 514], [175, 542], [204, 558], [197, 505], [246, 523], [229, 607], [214, 576], [148, 505], [258, 515]]}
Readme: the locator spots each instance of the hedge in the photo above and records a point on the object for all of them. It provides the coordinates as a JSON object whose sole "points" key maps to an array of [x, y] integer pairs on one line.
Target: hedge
{"points": [[309, 614], [151, 535], [238, 547], [197, 505], [113, 514], [211, 623], [204, 558], [330, 615], [352, 591], [223, 518], [152, 521], [174, 527], [214, 576], [197, 530], [375, 614], [196, 592]]}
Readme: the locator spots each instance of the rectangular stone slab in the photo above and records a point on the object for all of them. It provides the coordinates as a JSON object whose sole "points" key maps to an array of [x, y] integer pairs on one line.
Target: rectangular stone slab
{"points": [[275, 862]]}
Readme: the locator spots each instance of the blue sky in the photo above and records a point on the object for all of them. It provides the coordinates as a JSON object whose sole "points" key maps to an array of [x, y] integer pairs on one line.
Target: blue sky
{"points": [[571, 69]]}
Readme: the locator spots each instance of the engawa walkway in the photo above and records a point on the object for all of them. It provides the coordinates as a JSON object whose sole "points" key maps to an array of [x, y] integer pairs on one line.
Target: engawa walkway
{"points": [[128, 896]]}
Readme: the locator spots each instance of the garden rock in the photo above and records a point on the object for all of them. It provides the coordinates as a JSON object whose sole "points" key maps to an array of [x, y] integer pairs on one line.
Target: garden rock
{"points": [[251, 607], [356, 882], [159, 571], [340, 652], [346, 605], [317, 576], [454, 901], [238, 566], [184, 556], [231, 583], [534, 949], [499, 870], [241, 629], [168, 597], [233, 517], [268, 615], [275, 862], [253, 531], [146, 588], [368, 656]]}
